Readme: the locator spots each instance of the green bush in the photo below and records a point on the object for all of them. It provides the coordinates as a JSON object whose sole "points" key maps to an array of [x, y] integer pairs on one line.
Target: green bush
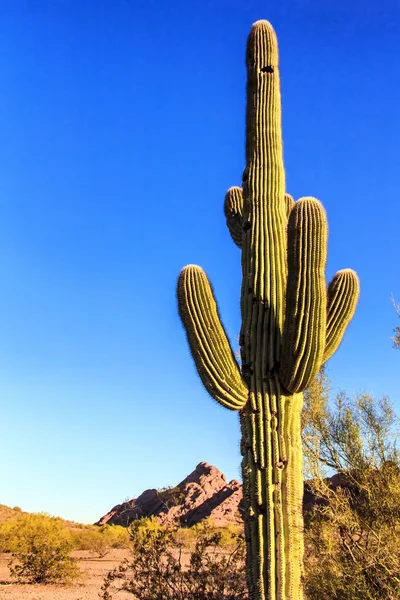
{"points": [[100, 540], [161, 568], [142, 530], [352, 535], [225, 536], [118, 536], [40, 546]]}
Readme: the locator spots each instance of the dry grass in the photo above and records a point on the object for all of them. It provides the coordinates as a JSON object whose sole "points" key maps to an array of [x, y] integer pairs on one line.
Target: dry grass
{"points": [[86, 588]]}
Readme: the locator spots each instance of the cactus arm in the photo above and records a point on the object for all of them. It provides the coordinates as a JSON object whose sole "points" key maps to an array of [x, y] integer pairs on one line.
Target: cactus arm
{"points": [[289, 204], [343, 294], [233, 209], [209, 345], [303, 341]]}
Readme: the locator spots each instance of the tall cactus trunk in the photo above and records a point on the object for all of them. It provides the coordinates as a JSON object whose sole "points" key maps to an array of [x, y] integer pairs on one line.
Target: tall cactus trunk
{"points": [[269, 465], [291, 325], [272, 494]]}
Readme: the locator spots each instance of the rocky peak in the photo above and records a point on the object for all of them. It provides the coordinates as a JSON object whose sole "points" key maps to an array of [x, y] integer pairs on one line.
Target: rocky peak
{"points": [[203, 493]]}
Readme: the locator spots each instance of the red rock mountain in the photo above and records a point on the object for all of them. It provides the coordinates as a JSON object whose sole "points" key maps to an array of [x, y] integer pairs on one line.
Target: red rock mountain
{"points": [[203, 493]]}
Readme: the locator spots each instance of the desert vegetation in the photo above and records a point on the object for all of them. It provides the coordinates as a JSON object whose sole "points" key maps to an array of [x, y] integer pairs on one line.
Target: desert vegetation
{"points": [[39, 548], [293, 321], [200, 563], [346, 545], [351, 533]]}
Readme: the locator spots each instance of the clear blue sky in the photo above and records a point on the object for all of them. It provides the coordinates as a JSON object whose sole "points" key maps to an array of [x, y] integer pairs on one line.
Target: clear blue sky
{"points": [[122, 126]]}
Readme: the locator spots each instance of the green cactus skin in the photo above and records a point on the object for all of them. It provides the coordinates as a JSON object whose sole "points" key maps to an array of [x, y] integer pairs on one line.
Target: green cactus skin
{"points": [[289, 204], [291, 324], [233, 208], [343, 293], [208, 342]]}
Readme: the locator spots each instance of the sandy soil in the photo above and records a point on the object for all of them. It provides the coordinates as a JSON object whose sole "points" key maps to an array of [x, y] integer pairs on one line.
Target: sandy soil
{"points": [[86, 588]]}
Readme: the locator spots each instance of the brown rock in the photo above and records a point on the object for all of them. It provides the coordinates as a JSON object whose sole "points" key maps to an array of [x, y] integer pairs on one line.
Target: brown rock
{"points": [[204, 493]]}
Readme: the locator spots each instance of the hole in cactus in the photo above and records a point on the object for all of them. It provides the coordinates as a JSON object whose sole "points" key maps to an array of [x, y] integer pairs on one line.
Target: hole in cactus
{"points": [[246, 226], [267, 69]]}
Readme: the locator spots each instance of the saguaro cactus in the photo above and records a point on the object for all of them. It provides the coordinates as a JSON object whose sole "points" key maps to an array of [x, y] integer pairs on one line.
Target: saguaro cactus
{"points": [[291, 325]]}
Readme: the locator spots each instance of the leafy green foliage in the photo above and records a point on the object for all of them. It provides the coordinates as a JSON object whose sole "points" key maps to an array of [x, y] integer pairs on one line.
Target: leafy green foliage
{"points": [[161, 568], [352, 534], [226, 536], [143, 530], [170, 496], [40, 546], [100, 540]]}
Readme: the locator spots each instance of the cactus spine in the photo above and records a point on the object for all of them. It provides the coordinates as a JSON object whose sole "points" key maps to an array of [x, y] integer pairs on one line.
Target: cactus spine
{"points": [[291, 324]]}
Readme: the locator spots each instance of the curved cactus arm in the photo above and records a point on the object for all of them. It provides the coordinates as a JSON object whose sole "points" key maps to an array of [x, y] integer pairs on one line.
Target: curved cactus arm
{"points": [[233, 209], [303, 342], [209, 345], [289, 204], [343, 294]]}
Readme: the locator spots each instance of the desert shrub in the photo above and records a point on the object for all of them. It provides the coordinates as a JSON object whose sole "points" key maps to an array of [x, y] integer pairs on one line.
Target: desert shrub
{"points": [[229, 534], [160, 568], [40, 546], [225, 536], [5, 529], [142, 530], [100, 540], [170, 496], [352, 534], [119, 536], [95, 542]]}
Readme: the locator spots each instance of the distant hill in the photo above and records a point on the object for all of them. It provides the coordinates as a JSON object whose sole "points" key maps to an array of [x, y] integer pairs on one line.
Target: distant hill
{"points": [[9, 514], [203, 493]]}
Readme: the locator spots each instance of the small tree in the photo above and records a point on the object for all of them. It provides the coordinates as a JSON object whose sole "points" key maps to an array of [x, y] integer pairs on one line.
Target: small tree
{"points": [[96, 542], [160, 569], [170, 496], [100, 540], [352, 534], [40, 546]]}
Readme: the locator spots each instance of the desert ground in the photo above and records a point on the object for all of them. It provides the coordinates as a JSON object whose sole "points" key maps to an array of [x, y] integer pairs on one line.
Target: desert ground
{"points": [[86, 588]]}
